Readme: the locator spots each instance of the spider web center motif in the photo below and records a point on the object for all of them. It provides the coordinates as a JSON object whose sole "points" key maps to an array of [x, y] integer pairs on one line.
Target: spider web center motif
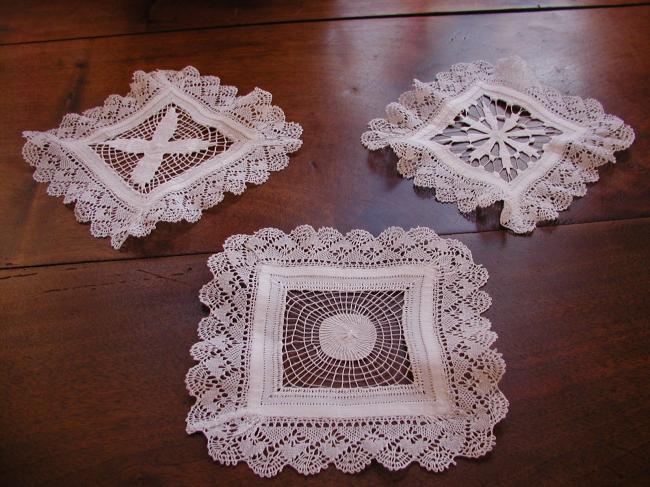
{"points": [[347, 336], [164, 146], [498, 136], [351, 339]]}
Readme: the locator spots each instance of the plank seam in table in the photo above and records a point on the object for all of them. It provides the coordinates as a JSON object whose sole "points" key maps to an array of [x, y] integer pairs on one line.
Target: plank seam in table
{"points": [[522, 10], [92, 372], [218, 248]]}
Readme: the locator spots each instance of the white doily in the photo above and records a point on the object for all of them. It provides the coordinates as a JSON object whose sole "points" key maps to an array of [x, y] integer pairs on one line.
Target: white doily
{"points": [[169, 149], [322, 348], [480, 134]]}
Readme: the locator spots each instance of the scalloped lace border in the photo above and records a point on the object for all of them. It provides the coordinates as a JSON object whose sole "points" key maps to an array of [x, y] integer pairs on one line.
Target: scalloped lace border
{"points": [[220, 380], [111, 216], [542, 198]]}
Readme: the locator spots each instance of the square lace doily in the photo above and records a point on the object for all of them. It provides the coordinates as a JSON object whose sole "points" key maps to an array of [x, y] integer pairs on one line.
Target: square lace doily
{"points": [[326, 348], [481, 133], [169, 149]]}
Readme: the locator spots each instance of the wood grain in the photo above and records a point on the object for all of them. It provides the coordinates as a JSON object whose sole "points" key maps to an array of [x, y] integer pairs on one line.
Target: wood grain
{"points": [[332, 77], [93, 358], [40, 20], [94, 343]]}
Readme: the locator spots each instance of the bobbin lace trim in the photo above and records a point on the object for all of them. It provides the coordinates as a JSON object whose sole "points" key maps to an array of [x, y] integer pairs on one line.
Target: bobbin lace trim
{"points": [[481, 133], [323, 348], [167, 150]]}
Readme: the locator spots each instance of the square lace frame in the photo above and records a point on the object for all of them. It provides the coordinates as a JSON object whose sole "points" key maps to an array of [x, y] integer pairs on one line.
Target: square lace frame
{"points": [[322, 348]]}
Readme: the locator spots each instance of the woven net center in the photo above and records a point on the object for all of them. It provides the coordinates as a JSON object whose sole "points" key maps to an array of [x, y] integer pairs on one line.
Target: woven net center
{"points": [[338, 339]]}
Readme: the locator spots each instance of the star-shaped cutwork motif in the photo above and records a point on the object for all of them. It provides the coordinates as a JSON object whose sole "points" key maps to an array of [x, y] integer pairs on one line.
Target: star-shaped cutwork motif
{"points": [[487, 124], [154, 150]]}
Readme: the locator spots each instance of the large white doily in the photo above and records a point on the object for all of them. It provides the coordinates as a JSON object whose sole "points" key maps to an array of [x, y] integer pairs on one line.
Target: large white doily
{"points": [[169, 149], [481, 133], [322, 348]]}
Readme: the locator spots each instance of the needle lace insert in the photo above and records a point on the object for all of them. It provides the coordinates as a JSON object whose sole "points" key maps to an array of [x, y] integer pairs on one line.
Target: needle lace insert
{"points": [[322, 348], [169, 149], [481, 133]]}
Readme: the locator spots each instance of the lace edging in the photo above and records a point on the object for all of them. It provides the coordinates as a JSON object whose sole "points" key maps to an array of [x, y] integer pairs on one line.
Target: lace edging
{"points": [[544, 197], [267, 444], [108, 214]]}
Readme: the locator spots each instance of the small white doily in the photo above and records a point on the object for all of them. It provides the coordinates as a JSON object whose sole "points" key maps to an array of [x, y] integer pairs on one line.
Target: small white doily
{"points": [[481, 133], [169, 149], [323, 348]]}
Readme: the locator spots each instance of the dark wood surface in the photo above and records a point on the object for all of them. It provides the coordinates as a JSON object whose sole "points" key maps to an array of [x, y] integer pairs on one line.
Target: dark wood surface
{"points": [[94, 343], [94, 395], [353, 69], [39, 20]]}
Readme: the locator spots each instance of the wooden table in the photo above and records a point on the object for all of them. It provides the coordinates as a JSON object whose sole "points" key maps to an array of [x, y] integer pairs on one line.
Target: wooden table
{"points": [[94, 343]]}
